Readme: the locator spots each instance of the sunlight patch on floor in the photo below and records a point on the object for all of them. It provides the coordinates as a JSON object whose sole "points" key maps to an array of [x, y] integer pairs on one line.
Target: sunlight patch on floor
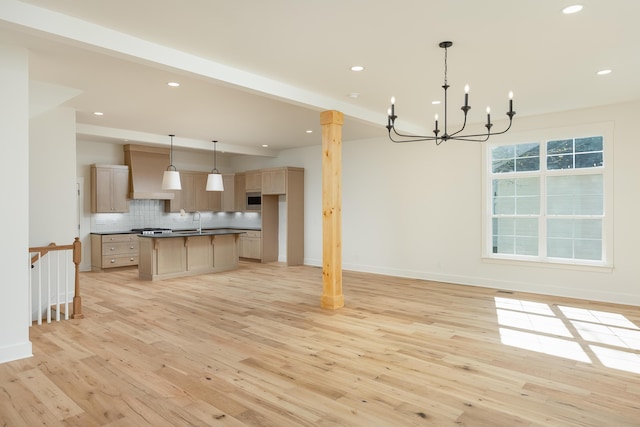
{"points": [[570, 332]]}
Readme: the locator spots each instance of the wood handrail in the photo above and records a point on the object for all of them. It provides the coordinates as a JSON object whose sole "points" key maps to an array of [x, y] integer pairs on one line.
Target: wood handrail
{"points": [[43, 250], [76, 246]]}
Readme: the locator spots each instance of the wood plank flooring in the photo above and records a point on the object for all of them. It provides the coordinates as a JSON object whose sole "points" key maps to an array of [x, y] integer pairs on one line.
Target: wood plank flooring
{"points": [[252, 347]]}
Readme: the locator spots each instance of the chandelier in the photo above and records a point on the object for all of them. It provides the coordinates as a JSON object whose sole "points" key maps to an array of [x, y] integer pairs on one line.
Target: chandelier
{"points": [[396, 136]]}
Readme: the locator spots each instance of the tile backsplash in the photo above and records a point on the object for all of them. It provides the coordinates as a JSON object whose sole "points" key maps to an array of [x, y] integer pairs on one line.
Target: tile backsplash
{"points": [[150, 213]]}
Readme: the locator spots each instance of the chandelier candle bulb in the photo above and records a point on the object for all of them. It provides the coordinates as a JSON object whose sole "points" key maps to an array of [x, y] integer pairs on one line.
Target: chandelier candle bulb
{"points": [[488, 115], [393, 106], [511, 102], [466, 95], [436, 123]]}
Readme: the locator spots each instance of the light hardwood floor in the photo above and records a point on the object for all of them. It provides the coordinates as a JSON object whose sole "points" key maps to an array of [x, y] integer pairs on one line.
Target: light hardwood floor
{"points": [[252, 347]]}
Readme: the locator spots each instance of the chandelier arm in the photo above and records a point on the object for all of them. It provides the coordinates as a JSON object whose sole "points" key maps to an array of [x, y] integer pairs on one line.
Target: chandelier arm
{"points": [[504, 131], [412, 138], [478, 137], [470, 138], [464, 124], [487, 134], [421, 138], [397, 141]]}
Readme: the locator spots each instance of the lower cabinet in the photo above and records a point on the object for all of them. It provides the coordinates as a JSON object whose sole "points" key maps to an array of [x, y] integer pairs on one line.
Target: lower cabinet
{"points": [[251, 245], [177, 256], [113, 250], [199, 253]]}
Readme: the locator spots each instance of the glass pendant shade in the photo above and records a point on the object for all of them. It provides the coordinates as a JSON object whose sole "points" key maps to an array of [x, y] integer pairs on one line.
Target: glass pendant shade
{"points": [[214, 182], [171, 180]]}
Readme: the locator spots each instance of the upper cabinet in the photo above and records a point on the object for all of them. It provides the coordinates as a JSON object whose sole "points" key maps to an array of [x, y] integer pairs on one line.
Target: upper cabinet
{"points": [[109, 188], [286, 185], [194, 196], [239, 192], [274, 181], [228, 195], [253, 181]]}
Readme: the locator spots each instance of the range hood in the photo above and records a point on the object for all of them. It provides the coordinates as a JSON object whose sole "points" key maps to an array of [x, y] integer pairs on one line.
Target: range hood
{"points": [[146, 167]]}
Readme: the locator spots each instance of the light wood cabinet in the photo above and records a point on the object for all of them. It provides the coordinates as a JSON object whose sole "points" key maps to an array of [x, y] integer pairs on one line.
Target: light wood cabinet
{"points": [[293, 211], [199, 253], [274, 181], [178, 255], [228, 196], [194, 196], [113, 250], [253, 181], [170, 256], [205, 200], [250, 245], [109, 188], [240, 192], [188, 192], [174, 205]]}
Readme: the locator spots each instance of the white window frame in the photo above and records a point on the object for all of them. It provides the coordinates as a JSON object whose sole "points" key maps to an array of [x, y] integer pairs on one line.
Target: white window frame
{"points": [[604, 129]]}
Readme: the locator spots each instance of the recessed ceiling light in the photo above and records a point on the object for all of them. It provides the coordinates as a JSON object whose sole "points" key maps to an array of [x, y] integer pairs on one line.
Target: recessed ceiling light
{"points": [[603, 72], [357, 68], [435, 102], [572, 9], [173, 84], [265, 145], [98, 113], [353, 95], [308, 131]]}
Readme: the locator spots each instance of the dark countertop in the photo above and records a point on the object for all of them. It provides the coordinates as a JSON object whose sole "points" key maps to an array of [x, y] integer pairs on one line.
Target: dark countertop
{"points": [[209, 232], [106, 233], [180, 232]]}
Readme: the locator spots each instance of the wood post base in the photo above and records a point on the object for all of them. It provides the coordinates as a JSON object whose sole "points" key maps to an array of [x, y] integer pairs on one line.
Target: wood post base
{"points": [[332, 302]]}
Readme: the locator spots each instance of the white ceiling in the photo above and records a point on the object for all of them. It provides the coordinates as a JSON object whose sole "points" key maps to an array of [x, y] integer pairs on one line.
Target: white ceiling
{"points": [[256, 72]]}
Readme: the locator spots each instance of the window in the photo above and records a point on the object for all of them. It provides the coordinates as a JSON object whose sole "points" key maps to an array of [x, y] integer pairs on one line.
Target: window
{"points": [[547, 200]]}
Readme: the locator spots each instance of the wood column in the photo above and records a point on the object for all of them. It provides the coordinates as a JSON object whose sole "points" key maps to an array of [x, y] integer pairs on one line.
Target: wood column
{"points": [[332, 296]]}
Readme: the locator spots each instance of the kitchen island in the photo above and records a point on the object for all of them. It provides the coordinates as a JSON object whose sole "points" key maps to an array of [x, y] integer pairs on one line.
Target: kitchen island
{"points": [[187, 253]]}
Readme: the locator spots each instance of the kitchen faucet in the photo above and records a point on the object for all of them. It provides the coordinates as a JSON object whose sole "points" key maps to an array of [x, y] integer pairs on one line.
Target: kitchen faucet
{"points": [[199, 219]]}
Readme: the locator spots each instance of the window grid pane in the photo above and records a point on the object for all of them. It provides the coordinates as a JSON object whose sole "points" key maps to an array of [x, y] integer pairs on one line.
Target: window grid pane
{"points": [[574, 201], [574, 238], [519, 196], [515, 158], [515, 236], [578, 153]]}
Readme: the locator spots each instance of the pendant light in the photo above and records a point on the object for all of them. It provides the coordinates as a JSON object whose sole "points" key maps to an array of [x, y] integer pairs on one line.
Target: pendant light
{"points": [[214, 180], [171, 177]]}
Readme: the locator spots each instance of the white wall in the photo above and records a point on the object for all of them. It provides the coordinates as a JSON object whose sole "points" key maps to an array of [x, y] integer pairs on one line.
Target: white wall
{"points": [[415, 210], [53, 201], [14, 122]]}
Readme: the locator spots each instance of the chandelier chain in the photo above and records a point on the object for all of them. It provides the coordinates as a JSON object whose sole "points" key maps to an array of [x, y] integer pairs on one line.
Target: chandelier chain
{"points": [[445, 66]]}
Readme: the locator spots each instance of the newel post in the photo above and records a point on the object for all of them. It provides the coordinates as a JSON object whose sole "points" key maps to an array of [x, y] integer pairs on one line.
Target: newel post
{"points": [[77, 299], [332, 296]]}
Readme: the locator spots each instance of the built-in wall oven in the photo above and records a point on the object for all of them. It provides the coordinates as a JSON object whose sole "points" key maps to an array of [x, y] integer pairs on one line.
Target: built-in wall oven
{"points": [[254, 201]]}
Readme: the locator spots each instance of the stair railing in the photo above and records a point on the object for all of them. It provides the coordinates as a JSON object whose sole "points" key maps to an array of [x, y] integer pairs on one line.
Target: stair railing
{"points": [[38, 256]]}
